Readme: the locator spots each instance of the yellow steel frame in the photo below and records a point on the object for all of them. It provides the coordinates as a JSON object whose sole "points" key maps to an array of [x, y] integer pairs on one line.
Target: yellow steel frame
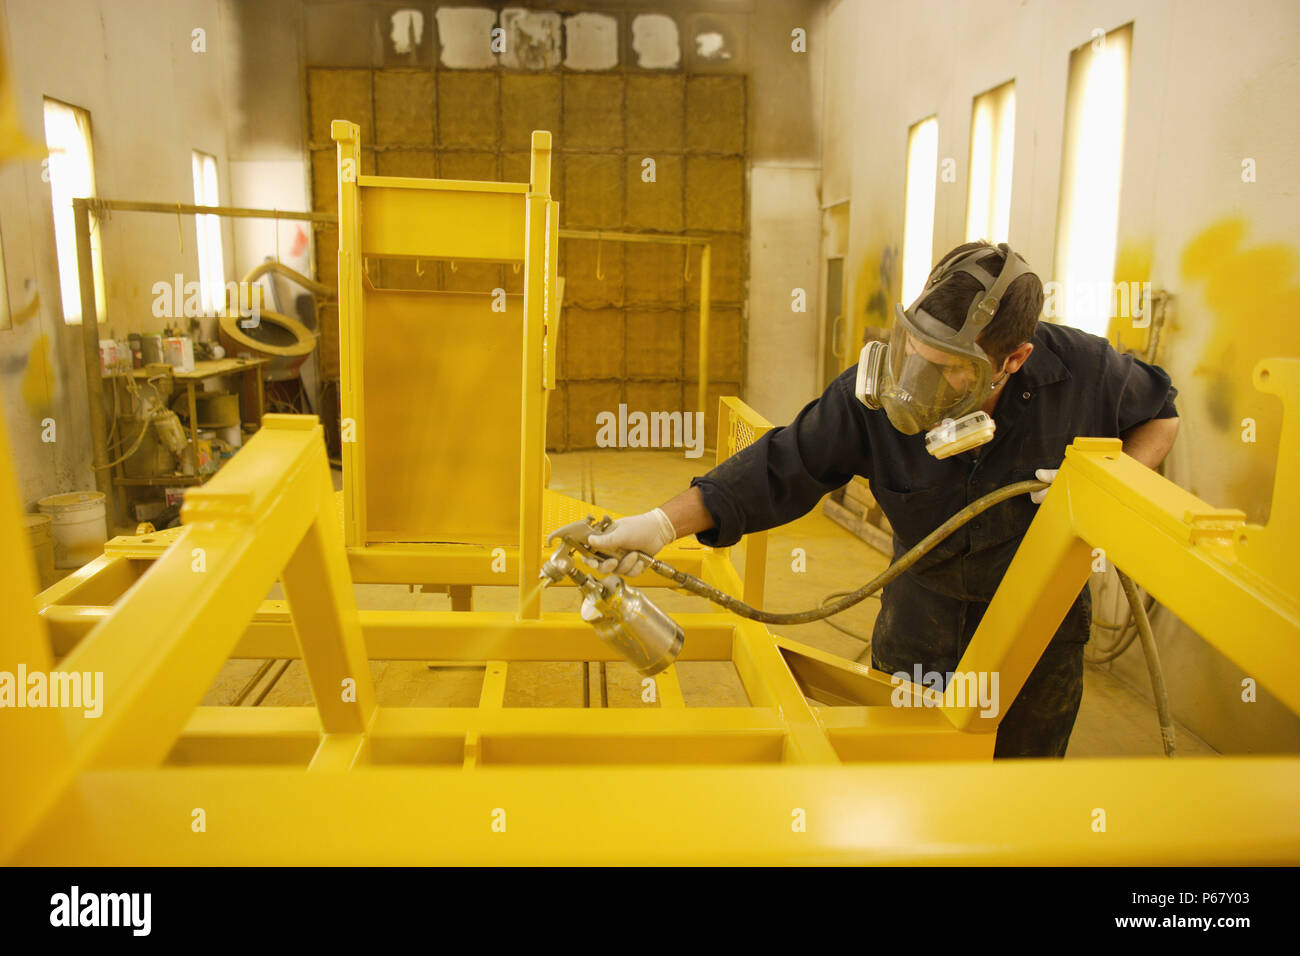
{"points": [[813, 771], [739, 426], [821, 767], [706, 277], [428, 396]]}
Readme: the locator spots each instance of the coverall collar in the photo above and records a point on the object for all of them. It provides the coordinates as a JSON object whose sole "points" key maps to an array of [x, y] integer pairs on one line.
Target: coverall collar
{"points": [[1043, 367]]}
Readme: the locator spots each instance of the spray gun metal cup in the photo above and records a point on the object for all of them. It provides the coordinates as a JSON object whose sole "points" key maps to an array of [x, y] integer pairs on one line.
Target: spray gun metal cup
{"points": [[630, 623], [622, 616]]}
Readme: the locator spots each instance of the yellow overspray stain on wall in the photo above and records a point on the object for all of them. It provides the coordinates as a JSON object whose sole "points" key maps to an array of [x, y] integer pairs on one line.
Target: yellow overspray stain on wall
{"points": [[1254, 300], [39, 374], [1132, 268], [874, 295]]}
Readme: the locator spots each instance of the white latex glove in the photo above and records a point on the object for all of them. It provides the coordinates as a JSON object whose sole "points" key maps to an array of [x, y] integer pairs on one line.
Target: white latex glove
{"points": [[1043, 474], [647, 533]]}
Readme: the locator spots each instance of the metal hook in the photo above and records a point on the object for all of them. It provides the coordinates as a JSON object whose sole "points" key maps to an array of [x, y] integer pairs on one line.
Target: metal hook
{"points": [[517, 266], [686, 273], [418, 270], [600, 272], [452, 263]]}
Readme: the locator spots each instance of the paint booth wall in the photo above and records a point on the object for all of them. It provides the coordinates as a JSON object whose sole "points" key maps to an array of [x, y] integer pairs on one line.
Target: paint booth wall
{"points": [[1210, 86], [755, 128], [152, 100]]}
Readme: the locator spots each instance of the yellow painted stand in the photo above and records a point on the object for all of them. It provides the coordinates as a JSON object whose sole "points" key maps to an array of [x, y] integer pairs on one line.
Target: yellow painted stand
{"points": [[820, 767]]}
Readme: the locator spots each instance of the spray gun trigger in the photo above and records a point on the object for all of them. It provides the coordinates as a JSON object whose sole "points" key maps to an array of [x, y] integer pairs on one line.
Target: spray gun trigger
{"points": [[572, 534], [577, 534]]}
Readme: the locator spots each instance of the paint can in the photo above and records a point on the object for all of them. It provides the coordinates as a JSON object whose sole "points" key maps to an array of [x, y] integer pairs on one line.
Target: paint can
{"points": [[204, 453], [41, 542], [78, 526], [151, 351], [107, 357], [178, 352]]}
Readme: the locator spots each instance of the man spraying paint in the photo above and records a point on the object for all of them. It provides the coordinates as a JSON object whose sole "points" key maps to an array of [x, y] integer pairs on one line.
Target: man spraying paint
{"points": [[999, 397]]}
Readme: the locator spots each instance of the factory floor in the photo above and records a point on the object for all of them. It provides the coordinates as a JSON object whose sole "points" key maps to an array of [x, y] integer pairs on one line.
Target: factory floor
{"points": [[1115, 719]]}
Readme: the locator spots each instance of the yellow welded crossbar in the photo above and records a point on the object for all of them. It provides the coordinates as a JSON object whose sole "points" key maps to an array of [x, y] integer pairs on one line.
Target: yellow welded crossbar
{"points": [[444, 394], [1201, 563], [1194, 811], [739, 426], [812, 770], [91, 809], [427, 635], [706, 274], [267, 516]]}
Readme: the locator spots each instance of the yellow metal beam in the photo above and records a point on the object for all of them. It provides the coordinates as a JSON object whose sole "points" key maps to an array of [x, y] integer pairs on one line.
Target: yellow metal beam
{"points": [[1162, 536], [430, 635], [351, 332], [160, 651], [473, 564], [323, 610], [1268, 552], [34, 752], [439, 219], [541, 218], [782, 780], [1193, 811]]}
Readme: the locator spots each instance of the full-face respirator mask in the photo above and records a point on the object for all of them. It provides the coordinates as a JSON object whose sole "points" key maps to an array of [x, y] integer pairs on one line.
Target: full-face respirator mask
{"points": [[933, 378]]}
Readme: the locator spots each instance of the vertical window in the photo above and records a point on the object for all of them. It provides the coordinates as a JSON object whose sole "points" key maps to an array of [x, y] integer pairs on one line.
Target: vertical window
{"points": [[1088, 217], [6, 320], [212, 267], [918, 215], [992, 150], [72, 176]]}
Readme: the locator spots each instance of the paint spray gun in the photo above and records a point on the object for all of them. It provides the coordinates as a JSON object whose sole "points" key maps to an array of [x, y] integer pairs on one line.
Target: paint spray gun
{"points": [[627, 620], [651, 640], [622, 616]]}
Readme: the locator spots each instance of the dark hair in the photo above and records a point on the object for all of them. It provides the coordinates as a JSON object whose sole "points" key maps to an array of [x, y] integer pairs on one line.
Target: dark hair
{"points": [[1017, 314]]}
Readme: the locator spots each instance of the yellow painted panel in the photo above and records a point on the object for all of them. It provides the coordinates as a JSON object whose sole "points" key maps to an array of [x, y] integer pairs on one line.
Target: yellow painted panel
{"points": [[442, 416], [430, 223]]}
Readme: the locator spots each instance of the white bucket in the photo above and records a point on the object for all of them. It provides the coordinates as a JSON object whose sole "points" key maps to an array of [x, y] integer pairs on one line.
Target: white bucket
{"points": [[77, 521], [41, 543]]}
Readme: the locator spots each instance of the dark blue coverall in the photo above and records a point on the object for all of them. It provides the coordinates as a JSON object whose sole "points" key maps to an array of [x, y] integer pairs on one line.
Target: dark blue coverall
{"points": [[1073, 384]]}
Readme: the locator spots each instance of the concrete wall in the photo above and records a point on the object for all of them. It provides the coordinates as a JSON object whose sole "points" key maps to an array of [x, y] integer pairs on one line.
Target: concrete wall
{"points": [[784, 196], [1210, 85], [152, 100], [246, 101], [264, 122]]}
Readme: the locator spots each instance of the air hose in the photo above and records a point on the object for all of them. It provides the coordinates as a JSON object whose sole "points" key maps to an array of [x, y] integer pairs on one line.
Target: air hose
{"points": [[1140, 617], [972, 510], [1153, 661]]}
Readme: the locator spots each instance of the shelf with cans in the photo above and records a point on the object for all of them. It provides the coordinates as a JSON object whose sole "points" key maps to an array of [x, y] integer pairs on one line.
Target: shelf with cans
{"points": [[169, 427]]}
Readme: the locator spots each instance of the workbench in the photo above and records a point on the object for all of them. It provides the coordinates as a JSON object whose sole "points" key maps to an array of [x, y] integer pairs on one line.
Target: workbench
{"points": [[251, 402]]}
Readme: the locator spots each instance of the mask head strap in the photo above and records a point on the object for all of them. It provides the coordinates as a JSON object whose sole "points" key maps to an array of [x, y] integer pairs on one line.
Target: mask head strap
{"points": [[984, 307]]}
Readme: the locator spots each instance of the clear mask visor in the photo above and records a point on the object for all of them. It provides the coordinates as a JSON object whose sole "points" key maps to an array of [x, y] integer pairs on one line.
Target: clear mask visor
{"points": [[935, 382]]}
